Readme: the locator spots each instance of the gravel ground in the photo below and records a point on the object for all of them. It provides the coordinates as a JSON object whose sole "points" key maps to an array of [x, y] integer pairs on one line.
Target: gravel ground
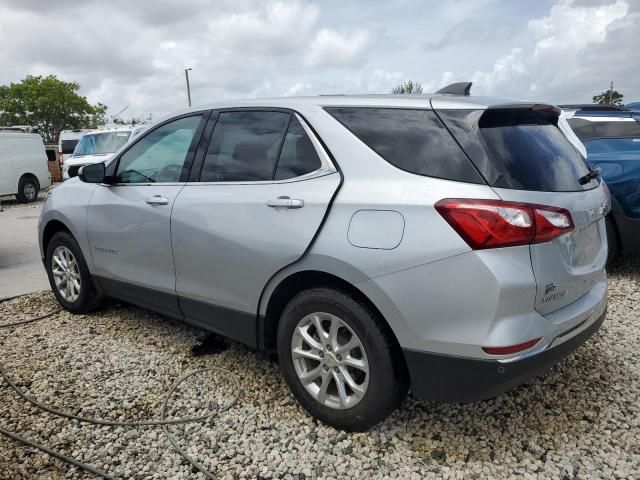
{"points": [[580, 420], [10, 201]]}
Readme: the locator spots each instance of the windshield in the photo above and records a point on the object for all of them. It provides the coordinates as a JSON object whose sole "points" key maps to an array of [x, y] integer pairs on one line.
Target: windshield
{"points": [[101, 143]]}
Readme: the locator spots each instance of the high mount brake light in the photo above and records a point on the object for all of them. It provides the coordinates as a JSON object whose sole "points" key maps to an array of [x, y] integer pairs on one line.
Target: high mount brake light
{"points": [[496, 223]]}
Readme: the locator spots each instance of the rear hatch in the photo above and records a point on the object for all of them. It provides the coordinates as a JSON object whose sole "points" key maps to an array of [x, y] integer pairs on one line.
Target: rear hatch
{"points": [[525, 157]]}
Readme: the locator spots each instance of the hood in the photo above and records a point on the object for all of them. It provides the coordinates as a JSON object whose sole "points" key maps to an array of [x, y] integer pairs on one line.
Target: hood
{"points": [[87, 159]]}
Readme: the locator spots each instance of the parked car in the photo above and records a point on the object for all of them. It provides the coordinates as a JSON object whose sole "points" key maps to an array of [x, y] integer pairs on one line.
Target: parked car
{"points": [[449, 244], [23, 165], [612, 142], [67, 141], [634, 106], [97, 146]]}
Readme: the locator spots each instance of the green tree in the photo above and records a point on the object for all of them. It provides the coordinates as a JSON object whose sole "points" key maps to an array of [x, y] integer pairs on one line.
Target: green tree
{"points": [[49, 105], [408, 87], [611, 97]]}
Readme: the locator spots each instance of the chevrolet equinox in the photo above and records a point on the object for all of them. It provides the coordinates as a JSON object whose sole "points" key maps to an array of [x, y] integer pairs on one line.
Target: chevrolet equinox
{"points": [[449, 244]]}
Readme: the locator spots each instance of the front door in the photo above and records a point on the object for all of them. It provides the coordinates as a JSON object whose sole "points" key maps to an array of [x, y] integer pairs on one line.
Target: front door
{"points": [[264, 189], [129, 219]]}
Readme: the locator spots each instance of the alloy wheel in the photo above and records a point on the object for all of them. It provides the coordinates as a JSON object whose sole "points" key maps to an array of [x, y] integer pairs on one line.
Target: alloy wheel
{"points": [[66, 273], [330, 360]]}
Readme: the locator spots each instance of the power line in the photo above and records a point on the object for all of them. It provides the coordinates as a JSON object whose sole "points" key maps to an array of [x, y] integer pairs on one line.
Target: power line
{"points": [[148, 94]]}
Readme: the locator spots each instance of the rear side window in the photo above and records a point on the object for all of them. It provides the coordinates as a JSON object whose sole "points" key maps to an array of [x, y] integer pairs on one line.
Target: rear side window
{"points": [[411, 139], [519, 149], [619, 128], [298, 156], [68, 146], [245, 146]]}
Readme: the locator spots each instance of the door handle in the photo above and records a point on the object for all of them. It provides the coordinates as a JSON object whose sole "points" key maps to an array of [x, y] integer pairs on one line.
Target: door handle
{"points": [[285, 202], [157, 200]]}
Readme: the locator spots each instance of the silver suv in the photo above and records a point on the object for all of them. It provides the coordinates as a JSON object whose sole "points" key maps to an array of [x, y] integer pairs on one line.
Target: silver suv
{"points": [[449, 244]]}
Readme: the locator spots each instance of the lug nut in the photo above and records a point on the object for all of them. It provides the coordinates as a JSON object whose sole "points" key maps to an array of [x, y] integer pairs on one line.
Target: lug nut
{"points": [[336, 369], [326, 369], [321, 354], [329, 347], [339, 357]]}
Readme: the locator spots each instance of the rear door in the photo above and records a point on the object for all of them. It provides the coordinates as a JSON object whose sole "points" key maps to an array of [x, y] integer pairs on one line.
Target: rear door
{"points": [[264, 188], [530, 160]]}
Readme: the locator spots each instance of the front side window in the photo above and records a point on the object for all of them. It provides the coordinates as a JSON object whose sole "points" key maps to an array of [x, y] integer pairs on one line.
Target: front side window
{"points": [[161, 155], [245, 146], [101, 143]]}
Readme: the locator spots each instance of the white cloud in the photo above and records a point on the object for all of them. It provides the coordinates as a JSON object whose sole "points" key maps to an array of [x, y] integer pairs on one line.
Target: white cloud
{"points": [[560, 58], [333, 49]]}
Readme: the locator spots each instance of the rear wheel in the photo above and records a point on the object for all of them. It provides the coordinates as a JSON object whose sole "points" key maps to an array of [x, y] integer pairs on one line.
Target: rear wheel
{"points": [[612, 240], [69, 276], [338, 360], [28, 189]]}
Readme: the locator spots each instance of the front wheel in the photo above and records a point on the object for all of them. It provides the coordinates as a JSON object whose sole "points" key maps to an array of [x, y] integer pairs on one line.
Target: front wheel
{"points": [[338, 359], [69, 276]]}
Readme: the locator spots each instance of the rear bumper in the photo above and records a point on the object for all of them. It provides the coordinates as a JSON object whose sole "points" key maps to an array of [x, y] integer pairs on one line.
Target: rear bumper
{"points": [[462, 379]]}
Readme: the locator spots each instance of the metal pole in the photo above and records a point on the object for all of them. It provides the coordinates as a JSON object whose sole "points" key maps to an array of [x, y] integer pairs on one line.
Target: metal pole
{"points": [[610, 93], [186, 74]]}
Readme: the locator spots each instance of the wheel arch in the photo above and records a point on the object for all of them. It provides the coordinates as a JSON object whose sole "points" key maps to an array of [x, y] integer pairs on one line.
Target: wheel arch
{"points": [[50, 229], [301, 280], [31, 176]]}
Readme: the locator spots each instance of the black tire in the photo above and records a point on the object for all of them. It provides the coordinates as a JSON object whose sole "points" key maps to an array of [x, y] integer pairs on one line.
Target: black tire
{"points": [[388, 380], [28, 189], [612, 240], [89, 298]]}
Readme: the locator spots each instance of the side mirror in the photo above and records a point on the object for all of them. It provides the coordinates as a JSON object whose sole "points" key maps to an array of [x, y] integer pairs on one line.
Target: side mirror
{"points": [[94, 173]]}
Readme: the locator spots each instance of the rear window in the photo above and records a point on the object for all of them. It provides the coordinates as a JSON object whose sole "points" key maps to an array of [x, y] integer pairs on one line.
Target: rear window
{"points": [[413, 140], [520, 149], [68, 146], [618, 128]]}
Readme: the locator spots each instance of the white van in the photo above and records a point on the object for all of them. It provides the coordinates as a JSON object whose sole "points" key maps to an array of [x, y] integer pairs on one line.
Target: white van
{"points": [[67, 142], [23, 165], [98, 146]]}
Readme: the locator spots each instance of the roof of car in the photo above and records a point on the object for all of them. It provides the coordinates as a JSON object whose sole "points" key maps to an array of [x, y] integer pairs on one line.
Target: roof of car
{"points": [[443, 101]]}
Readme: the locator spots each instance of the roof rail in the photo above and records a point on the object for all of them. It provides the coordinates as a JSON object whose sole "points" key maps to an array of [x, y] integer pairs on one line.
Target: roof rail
{"points": [[459, 88], [594, 107]]}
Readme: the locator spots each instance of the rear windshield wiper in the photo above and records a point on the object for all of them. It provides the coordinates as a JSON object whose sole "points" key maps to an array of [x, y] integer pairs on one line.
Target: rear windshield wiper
{"points": [[593, 173]]}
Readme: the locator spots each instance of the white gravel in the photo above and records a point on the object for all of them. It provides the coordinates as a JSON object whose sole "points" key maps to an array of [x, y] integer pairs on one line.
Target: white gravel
{"points": [[10, 201], [580, 420]]}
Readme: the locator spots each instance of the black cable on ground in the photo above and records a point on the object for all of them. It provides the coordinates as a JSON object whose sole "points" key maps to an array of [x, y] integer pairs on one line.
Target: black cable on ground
{"points": [[162, 422]]}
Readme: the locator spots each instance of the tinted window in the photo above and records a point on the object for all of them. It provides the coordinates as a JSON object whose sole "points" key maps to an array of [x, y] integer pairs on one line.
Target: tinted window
{"points": [[159, 156], [244, 146], [613, 145], [68, 146], [586, 129], [531, 151], [298, 156], [412, 140]]}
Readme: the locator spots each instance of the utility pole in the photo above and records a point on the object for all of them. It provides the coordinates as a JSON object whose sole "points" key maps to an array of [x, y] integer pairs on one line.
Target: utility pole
{"points": [[610, 93], [186, 74]]}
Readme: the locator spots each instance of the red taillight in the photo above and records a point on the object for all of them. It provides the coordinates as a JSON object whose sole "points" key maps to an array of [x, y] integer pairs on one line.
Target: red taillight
{"points": [[520, 347], [496, 223]]}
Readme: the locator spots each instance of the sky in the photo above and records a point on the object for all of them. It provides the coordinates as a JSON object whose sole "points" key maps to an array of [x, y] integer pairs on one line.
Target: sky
{"points": [[132, 54]]}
